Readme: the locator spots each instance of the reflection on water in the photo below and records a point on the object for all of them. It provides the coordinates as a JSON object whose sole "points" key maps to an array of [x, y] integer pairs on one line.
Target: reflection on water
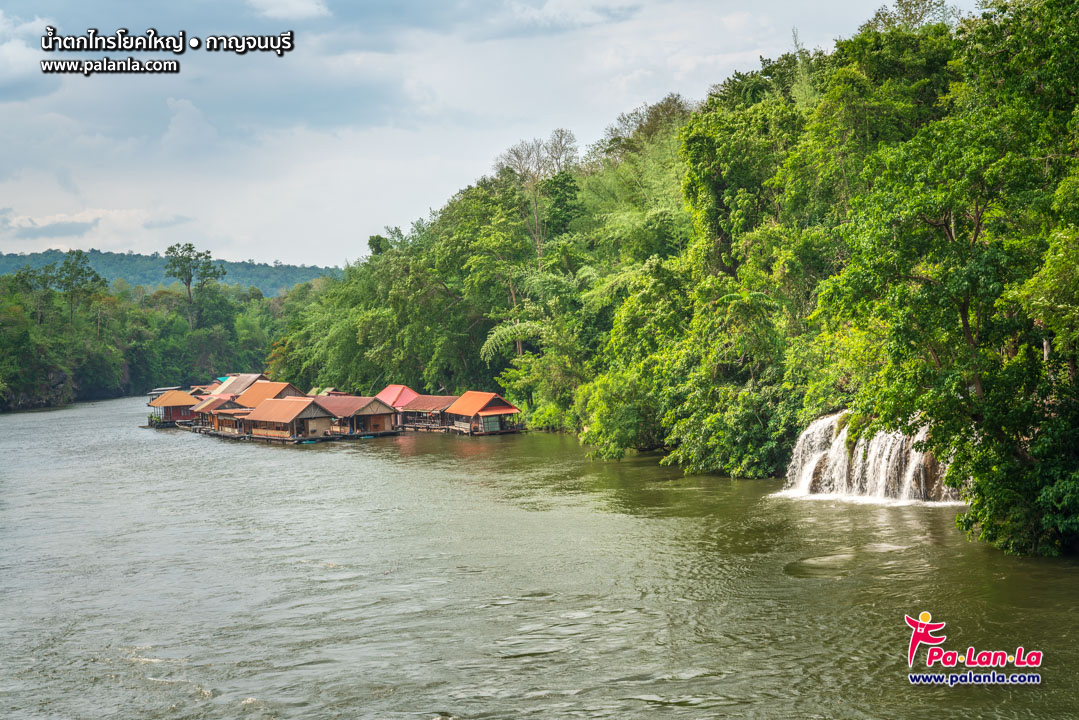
{"points": [[160, 574]]}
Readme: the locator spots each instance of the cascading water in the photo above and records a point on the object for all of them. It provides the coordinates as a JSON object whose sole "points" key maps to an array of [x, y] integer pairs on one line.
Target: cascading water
{"points": [[885, 466]]}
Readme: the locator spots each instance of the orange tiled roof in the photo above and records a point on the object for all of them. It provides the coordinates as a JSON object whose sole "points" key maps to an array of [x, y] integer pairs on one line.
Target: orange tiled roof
{"points": [[472, 402], [174, 398], [263, 390]]}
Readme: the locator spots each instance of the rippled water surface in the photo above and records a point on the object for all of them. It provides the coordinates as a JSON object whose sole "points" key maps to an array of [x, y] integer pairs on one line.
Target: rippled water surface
{"points": [[160, 574]]}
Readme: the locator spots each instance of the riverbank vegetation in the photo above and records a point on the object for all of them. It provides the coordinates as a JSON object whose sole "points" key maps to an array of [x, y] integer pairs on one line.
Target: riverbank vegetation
{"points": [[66, 334], [889, 227]]}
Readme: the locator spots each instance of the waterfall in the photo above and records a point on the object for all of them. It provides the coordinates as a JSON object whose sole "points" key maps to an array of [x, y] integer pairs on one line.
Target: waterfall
{"points": [[885, 466]]}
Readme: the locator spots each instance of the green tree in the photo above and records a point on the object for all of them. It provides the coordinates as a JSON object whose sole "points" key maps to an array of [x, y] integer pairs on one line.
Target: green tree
{"points": [[730, 155], [910, 14], [77, 280], [184, 263], [38, 283], [189, 265], [378, 244]]}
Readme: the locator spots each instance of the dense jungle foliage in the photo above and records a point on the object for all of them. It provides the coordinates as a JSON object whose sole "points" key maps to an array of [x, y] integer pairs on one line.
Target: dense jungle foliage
{"points": [[891, 227]]}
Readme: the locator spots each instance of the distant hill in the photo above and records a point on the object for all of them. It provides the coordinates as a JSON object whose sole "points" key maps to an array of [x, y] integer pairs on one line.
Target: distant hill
{"points": [[150, 269]]}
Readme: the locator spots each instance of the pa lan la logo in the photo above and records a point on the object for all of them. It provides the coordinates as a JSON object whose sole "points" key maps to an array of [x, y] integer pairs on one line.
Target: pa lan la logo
{"points": [[922, 633]]}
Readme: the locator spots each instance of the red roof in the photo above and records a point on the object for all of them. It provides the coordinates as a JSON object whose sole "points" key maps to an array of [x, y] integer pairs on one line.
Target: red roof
{"points": [[283, 410], [429, 403], [397, 396], [473, 402]]}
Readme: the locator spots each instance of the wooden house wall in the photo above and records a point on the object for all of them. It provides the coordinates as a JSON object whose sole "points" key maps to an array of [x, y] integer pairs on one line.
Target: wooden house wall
{"points": [[315, 425], [382, 422]]}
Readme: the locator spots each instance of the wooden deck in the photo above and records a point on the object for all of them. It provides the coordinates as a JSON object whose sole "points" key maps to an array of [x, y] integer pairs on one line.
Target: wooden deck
{"points": [[460, 428], [360, 435], [270, 433], [423, 427], [269, 439]]}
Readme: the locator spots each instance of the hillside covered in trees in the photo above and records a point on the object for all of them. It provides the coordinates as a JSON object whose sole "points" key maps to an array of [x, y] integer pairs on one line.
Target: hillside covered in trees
{"points": [[150, 270], [889, 227], [67, 334]]}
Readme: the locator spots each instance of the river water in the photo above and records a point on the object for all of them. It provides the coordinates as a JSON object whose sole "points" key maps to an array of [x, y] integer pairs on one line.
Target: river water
{"points": [[160, 574]]}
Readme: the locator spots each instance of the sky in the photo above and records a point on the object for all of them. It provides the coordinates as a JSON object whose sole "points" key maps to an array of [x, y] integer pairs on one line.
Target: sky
{"points": [[380, 113]]}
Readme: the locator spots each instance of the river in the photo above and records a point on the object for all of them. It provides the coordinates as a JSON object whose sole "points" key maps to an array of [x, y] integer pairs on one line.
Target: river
{"points": [[160, 574]]}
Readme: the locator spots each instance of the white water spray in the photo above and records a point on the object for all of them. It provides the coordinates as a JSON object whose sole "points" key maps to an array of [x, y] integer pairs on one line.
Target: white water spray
{"points": [[885, 466]]}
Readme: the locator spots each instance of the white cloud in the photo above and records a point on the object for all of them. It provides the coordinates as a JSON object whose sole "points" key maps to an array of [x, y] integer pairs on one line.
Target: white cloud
{"points": [[12, 27], [66, 230], [290, 9], [188, 130], [20, 53], [558, 13]]}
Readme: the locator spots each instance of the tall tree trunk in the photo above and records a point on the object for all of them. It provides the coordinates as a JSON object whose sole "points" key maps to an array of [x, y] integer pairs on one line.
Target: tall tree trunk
{"points": [[513, 296], [537, 227], [972, 343], [190, 307]]}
